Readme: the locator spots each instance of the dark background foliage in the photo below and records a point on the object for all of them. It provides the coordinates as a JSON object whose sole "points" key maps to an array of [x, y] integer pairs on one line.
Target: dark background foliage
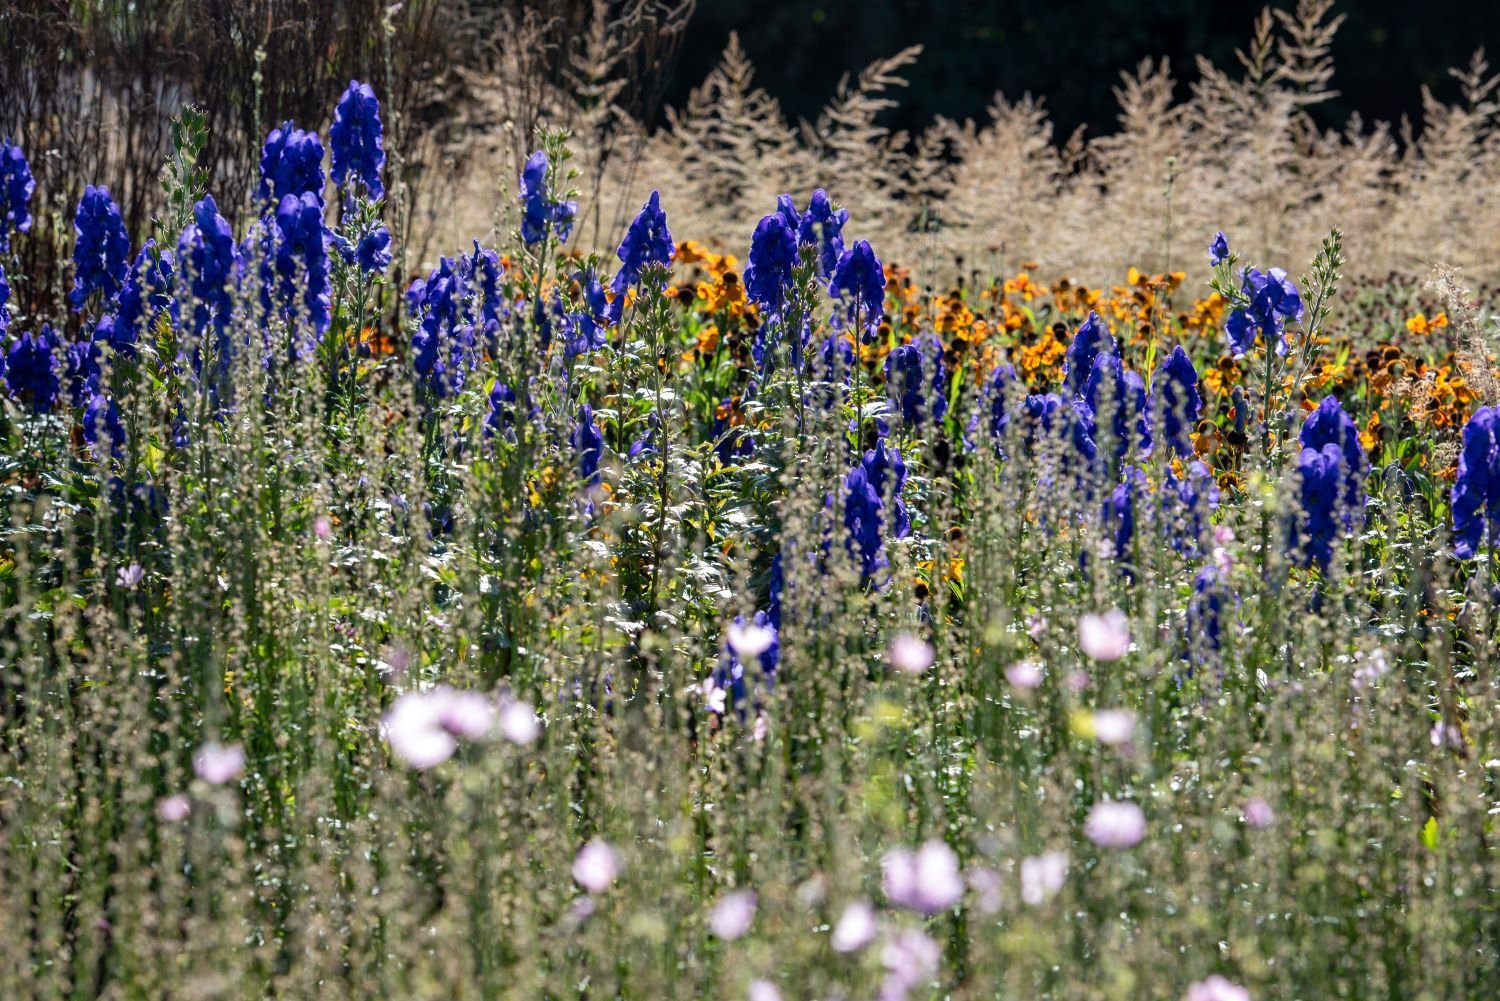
{"points": [[1070, 53]]}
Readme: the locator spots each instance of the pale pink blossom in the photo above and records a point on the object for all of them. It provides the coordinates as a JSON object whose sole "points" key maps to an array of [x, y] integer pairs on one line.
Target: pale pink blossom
{"points": [[596, 865], [1113, 727], [855, 928], [762, 990], [749, 640], [1036, 627], [1258, 813], [986, 885], [1104, 637], [174, 809], [714, 697], [910, 654], [1446, 733], [518, 722], [217, 763], [732, 916], [130, 577], [1115, 824], [1042, 876], [1024, 674], [926, 880], [1216, 988], [911, 958], [322, 527], [1079, 680], [424, 728]]}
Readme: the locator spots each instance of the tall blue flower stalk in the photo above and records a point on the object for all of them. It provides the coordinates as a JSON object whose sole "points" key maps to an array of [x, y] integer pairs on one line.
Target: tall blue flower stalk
{"points": [[1476, 491], [647, 243], [101, 254], [542, 212], [917, 381], [1175, 403], [291, 163], [357, 139], [16, 187]]}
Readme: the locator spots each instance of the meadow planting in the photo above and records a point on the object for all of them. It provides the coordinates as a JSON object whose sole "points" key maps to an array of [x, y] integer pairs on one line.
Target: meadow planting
{"points": [[874, 591]]}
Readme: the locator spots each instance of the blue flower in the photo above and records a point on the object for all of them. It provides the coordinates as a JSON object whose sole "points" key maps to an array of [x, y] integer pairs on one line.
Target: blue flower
{"points": [[302, 258], [81, 369], [438, 343], [647, 242], [824, 226], [589, 325], [1111, 386], [1120, 508], [1175, 401], [730, 674], [356, 139], [502, 410], [910, 371], [1329, 425], [208, 252], [879, 474], [1186, 503], [1218, 251], [1476, 492], [16, 186], [101, 253], [589, 444], [1320, 474], [997, 393], [146, 294], [1093, 337], [291, 163], [859, 278], [773, 257], [4, 298], [540, 212], [102, 417], [1273, 300], [31, 370], [1205, 614]]}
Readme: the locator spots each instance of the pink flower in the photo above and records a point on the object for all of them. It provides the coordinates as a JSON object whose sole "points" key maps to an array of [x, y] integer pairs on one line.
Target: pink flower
{"points": [[732, 916], [986, 886], [1258, 813], [1042, 876], [518, 722], [926, 880], [596, 865], [748, 641], [1117, 824], [1079, 680], [1216, 988], [910, 654], [713, 696], [130, 577], [762, 990], [423, 727], [1024, 674], [1448, 733], [1113, 727], [174, 809], [466, 714], [1036, 627], [910, 958], [761, 728], [1104, 637], [322, 527], [217, 763], [1223, 535], [855, 928]]}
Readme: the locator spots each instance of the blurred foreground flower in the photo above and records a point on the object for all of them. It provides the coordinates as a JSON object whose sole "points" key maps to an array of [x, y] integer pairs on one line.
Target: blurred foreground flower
{"points": [[1115, 824], [423, 727], [217, 763], [926, 880], [1104, 637], [596, 866]]}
